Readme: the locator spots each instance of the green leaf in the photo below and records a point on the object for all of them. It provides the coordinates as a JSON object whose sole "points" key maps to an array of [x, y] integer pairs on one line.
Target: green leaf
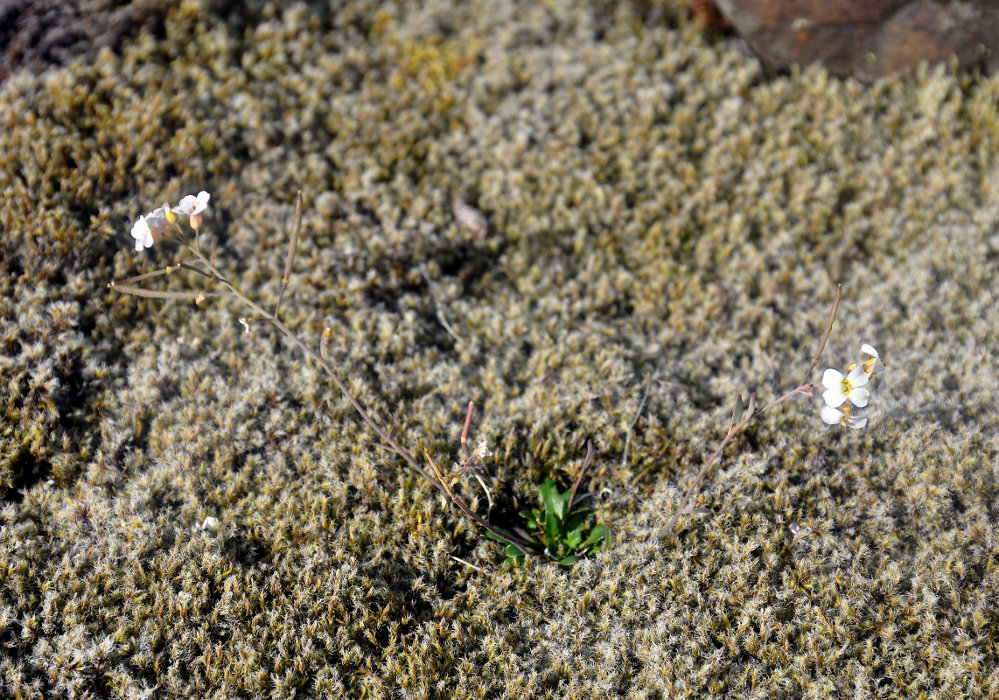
{"points": [[577, 518], [530, 518], [596, 534], [514, 555], [500, 538], [573, 539], [553, 528], [568, 560], [555, 502]]}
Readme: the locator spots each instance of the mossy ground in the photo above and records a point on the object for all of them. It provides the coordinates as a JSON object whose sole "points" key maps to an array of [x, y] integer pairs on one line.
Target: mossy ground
{"points": [[660, 210]]}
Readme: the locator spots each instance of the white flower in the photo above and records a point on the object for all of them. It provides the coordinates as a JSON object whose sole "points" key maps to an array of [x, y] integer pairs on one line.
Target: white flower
{"points": [[849, 388], [142, 234], [191, 205], [834, 416], [150, 227], [159, 219], [873, 364]]}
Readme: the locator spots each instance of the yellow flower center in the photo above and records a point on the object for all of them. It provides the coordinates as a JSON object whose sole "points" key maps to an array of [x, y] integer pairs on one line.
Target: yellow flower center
{"points": [[869, 365], [845, 386], [846, 416]]}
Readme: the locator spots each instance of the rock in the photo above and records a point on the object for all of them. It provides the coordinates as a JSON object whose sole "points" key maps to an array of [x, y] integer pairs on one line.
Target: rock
{"points": [[36, 35], [868, 39]]}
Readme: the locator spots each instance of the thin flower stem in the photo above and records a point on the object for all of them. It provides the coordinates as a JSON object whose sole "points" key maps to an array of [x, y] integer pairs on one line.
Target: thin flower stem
{"points": [[505, 536], [634, 421], [582, 471], [154, 294], [464, 430], [157, 273], [145, 276], [751, 412], [292, 248], [311, 354], [825, 336], [438, 309], [192, 268]]}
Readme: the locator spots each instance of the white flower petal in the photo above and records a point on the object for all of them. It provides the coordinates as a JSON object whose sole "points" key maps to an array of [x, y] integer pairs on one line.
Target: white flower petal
{"points": [[857, 423], [156, 219], [872, 365], [834, 397], [831, 415], [831, 379], [189, 205], [857, 377], [186, 205], [858, 397], [142, 234]]}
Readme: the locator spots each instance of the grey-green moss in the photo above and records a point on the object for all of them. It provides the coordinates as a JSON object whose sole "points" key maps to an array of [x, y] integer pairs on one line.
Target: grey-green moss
{"points": [[659, 209]]}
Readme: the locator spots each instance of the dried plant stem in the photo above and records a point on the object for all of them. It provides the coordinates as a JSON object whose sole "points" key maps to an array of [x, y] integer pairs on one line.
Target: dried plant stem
{"points": [[292, 248], [312, 355], [586, 465], [505, 536], [208, 270], [468, 564], [825, 336], [634, 422], [438, 308], [752, 411], [466, 427], [155, 294]]}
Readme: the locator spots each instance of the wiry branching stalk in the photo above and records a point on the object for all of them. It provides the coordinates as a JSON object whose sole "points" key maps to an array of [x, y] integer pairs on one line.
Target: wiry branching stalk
{"points": [[751, 412], [164, 223]]}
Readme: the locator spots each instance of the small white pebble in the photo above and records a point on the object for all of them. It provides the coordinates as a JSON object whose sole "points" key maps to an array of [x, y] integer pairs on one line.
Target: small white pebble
{"points": [[468, 216]]}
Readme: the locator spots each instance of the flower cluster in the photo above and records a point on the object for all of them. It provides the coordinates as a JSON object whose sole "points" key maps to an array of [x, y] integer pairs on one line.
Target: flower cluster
{"points": [[845, 392], [149, 228]]}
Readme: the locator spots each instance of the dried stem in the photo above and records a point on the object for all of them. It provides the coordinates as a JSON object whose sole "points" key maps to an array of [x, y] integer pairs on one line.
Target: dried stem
{"points": [[155, 294], [582, 471], [292, 248], [825, 336], [465, 428], [752, 411], [312, 355], [505, 536], [634, 422], [438, 309]]}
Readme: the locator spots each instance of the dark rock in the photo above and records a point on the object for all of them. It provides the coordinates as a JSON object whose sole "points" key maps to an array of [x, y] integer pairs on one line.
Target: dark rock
{"points": [[36, 35], [868, 38]]}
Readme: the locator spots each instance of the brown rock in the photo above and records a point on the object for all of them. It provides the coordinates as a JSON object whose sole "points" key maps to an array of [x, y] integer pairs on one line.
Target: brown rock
{"points": [[868, 39], [36, 35]]}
